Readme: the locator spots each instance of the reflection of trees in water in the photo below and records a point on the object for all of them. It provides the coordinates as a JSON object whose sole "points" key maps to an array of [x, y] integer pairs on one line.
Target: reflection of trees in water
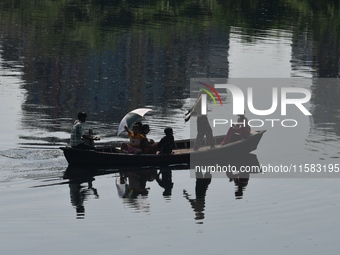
{"points": [[316, 48], [108, 57], [108, 83], [326, 94], [113, 70], [323, 139]]}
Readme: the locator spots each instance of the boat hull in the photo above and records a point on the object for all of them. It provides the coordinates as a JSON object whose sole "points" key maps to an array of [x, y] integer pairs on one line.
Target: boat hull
{"points": [[111, 157]]}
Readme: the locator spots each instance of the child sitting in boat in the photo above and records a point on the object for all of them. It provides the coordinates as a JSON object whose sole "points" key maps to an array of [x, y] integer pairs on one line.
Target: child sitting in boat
{"points": [[147, 145], [144, 131], [167, 143], [135, 140]]}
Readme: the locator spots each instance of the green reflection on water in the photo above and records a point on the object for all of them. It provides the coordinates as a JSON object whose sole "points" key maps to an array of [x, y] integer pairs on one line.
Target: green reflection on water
{"points": [[98, 24]]}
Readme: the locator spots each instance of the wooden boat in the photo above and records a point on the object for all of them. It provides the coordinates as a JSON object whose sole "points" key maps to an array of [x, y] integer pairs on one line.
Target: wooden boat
{"points": [[112, 156]]}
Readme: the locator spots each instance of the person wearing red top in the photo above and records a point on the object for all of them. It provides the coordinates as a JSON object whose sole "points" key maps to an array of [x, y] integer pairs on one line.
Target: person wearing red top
{"points": [[242, 128]]}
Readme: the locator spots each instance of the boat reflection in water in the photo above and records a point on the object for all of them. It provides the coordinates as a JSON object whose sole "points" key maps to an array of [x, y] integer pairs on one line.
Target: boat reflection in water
{"points": [[132, 184], [241, 178], [81, 188], [198, 203], [164, 180], [131, 187], [238, 177]]}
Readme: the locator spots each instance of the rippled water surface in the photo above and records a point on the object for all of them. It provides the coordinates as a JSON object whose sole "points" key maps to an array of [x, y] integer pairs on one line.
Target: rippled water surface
{"points": [[109, 58]]}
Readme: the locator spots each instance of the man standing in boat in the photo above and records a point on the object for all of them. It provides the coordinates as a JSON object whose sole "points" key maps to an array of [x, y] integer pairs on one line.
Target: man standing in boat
{"points": [[203, 126]]}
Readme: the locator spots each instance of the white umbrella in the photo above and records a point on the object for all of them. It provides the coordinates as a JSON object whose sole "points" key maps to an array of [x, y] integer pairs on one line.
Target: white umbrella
{"points": [[131, 118]]}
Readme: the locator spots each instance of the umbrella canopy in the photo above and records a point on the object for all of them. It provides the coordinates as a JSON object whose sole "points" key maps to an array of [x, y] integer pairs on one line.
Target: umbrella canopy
{"points": [[131, 118]]}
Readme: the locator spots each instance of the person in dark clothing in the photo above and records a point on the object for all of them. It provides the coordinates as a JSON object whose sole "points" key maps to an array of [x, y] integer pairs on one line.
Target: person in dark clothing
{"points": [[167, 143]]}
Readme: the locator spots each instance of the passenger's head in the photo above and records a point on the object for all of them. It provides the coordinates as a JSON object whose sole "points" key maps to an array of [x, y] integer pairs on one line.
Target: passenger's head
{"points": [[82, 116], [135, 129], [168, 131], [145, 129], [139, 124]]}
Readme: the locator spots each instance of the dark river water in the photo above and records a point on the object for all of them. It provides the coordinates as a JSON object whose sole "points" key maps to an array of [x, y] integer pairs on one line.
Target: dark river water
{"points": [[109, 57]]}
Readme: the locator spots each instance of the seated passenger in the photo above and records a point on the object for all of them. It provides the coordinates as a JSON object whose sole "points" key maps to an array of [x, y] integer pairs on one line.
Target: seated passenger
{"points": [[147, 145], [167, 143], [144, 131], [242, 130], [135, 140]]}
